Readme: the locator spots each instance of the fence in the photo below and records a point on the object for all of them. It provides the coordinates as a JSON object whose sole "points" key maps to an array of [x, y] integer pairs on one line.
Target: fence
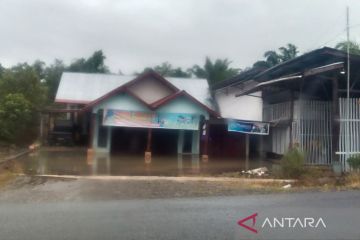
{"points": [[349, 142], [312, 130]]}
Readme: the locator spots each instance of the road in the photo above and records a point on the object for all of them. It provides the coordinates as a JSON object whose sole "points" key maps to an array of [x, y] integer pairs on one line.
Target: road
{"points": [[184, 218]]}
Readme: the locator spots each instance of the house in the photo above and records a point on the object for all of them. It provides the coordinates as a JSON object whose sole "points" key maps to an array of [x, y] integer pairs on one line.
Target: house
{"points": [[304, 99], [150, 113], [245, 110]]}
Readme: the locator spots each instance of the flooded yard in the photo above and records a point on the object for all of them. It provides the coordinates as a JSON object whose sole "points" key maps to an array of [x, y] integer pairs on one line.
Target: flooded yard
{"points": [[75, 161]]}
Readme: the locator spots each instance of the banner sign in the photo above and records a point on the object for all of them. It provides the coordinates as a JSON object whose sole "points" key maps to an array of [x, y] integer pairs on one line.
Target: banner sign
{"points": [[248, 127], [121, 118]]}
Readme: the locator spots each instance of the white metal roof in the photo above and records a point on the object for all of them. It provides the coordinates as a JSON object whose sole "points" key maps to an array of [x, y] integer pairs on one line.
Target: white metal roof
{"points": [[86, 87]]}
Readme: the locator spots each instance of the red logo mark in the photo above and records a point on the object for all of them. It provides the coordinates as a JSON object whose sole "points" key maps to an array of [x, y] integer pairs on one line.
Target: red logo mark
{"points": [[242, 222]]}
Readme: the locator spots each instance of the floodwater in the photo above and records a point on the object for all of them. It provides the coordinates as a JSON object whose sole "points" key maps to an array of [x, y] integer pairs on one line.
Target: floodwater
{"points": [[75, 161]]}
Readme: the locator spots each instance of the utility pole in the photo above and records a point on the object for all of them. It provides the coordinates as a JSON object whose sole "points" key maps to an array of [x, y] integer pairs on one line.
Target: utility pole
{"points": [[347, 138]]}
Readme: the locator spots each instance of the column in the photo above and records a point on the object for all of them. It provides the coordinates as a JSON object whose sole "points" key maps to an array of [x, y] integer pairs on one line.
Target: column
{"points": [[195, 144], [205, 156], [92, 134], [148, 146], [180, 145]]}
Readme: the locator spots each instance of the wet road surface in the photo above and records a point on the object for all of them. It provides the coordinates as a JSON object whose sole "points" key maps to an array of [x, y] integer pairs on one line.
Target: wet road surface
{"points": [[187, 218]]}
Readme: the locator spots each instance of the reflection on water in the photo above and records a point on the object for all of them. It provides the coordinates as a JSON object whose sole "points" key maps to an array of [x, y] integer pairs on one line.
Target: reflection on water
{"points": [[77, 162]]}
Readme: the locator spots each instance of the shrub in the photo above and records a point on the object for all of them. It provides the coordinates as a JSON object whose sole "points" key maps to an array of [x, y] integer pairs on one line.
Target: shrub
{"points": [[15, 116], [292, 163], [354, 161]]}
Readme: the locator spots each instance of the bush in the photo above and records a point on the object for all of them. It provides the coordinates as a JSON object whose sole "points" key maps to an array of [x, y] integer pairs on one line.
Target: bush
{"points": [[292, 163], [15, 117], [354, 161]]}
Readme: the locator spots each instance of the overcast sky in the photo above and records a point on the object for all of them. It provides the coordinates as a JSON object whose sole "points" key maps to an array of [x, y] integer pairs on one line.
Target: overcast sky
{"points": [[138, 33]]}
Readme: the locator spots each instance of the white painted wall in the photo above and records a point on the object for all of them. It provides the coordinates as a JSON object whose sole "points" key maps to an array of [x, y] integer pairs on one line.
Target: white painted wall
{"points": [[150, 90], [243, 108]]}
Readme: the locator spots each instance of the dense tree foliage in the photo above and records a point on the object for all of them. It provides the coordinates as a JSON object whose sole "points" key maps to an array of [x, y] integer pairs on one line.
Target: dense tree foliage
{"points": [[167, 70], [214, 71], [15, 118], [354, 47], [273, 58], [94, 64], [22, 96]]}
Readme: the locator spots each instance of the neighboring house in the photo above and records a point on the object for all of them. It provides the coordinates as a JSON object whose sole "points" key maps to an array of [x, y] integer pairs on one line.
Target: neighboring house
{"points": [[244, 109], [134, 113], [304, 99]]}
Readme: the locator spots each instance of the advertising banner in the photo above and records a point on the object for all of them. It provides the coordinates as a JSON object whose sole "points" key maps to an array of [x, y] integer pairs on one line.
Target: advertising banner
{"points": [[248, 127], [113, 117]]}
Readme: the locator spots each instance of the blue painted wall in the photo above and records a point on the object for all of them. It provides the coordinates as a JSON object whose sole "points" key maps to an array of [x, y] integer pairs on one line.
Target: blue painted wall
{"points": [[122, 101], [183, 105]]}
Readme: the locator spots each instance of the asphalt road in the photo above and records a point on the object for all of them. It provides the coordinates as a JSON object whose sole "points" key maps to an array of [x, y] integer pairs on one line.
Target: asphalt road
{"points": [[184, 218]]}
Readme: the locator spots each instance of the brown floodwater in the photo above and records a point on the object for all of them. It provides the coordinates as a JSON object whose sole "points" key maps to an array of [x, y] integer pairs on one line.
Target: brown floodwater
{"points": [[75, 161]]}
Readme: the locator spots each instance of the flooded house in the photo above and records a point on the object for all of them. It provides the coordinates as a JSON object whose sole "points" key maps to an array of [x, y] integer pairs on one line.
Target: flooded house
{"points": [[146, 114], [255, 115]]}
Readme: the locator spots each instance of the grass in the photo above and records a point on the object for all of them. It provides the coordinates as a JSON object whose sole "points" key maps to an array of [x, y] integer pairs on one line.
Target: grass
{"points": [[8, 171]]}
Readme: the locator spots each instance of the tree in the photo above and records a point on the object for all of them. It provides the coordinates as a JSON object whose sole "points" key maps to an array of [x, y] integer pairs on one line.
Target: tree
{"points": [[273, 58], [354, 47], [15, 117], [22, 96], [288, 52], [94, 64], [2, 69], [52, 75], [214, 71], [23, 79], [165, 69]]}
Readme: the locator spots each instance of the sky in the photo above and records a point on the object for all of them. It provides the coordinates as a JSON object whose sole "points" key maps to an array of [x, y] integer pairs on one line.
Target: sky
{"points": [[139, 33]]}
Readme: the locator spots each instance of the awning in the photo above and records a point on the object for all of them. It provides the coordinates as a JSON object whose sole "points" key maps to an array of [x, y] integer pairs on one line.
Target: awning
{"points": [[310, 72]]}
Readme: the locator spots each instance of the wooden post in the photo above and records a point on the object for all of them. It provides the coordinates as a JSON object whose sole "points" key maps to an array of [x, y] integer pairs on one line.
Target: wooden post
{"points": [[335, 119], [148, 146], [247, 151], [205, 156]]}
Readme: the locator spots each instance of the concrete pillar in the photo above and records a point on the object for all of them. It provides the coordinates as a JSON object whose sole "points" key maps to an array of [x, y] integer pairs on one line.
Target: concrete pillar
{"points": [[205, 155], [261, 147], [92, 136], [180, 144], [108, 141], [95, 126], [195, 145], [148, 147]]}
